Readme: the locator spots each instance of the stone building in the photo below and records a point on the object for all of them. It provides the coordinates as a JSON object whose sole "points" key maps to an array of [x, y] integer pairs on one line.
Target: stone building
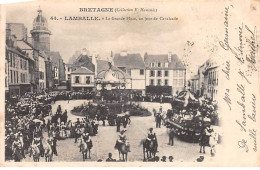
{"points": [[164, 73]]}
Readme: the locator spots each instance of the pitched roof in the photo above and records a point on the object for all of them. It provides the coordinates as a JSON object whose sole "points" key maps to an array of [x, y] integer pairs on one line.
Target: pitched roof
{"points": [[163, 58], [55, 57], [23, 45], [84, 61], [82, 70], [102, 65], [129, 61]]}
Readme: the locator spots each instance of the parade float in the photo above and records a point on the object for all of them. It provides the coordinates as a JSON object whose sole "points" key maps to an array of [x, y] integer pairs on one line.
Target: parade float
{"points": [[190, 116]]}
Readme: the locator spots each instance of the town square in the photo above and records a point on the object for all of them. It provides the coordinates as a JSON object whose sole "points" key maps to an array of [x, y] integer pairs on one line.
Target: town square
{"points": [[123, 107]]}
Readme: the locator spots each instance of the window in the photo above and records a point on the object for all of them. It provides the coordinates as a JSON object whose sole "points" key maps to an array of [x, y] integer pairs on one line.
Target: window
{"points": [[180, 73], [159, 73], [180, 82], [151, 73], [166, 73], [11, 76], [5, 81], [41, 75], [88, 80], [22, 78], [166, 82], [77, 79], [159, 64], [166, 64], [175, 82], [14, 77], [159, 82], [141, 71], [151, 82], [152, 64], [21, 63], [175, 73], [25, 65], [17, 77]]}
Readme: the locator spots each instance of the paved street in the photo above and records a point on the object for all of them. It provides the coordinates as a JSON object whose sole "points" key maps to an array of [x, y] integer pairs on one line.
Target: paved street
{"points": [[105, 140]]}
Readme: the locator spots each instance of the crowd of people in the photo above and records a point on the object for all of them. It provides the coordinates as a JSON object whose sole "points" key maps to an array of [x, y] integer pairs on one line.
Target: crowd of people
{"points": [[28, 116], [24, 120]]}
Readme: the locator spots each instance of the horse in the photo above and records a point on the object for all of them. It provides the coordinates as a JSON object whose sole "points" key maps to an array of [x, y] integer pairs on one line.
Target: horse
{"points": [[48, 151], [17, 154], [213, 141], [85, 149], [149, 148], [122, 150], [35, 151]]}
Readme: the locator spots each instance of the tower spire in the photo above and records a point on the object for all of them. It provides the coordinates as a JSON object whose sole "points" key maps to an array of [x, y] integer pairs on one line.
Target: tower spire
{"points": [[39, 11]]}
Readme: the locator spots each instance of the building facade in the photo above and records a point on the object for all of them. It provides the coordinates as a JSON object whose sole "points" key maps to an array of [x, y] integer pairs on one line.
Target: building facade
{"points": [[165, 70], [133, 65], [194, 85], [210, 73], [82, 79], [17, 61]]}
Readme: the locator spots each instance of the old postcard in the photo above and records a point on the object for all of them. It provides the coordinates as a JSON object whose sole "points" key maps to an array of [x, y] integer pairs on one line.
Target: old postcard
{"points": [[130, 83]]}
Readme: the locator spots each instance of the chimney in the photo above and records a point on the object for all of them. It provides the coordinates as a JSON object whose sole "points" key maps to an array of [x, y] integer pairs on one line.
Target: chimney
{"points": [[14, 41], [169, 56], [145, 56], [123, 53], [84, 51]]}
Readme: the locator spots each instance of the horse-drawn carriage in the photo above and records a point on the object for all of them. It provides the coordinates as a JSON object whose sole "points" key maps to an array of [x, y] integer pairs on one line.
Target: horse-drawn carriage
{"points": [[184, 121], [185, 128]]}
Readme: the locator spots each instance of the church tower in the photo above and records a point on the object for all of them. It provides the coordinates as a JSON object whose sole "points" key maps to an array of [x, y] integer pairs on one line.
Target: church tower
{"points": [[41, 34]]}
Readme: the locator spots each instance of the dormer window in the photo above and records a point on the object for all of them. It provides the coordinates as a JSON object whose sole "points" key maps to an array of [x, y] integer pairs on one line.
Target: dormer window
{"points": [[159, 64], [166, 64]]}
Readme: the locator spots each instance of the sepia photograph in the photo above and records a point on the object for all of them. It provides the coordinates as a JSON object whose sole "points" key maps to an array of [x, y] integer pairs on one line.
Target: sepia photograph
{"points": [[144, 83]]}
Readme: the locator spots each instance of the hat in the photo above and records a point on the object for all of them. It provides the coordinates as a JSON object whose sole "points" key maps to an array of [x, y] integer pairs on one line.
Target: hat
{"points": [[122, 131], [151, 129], [163, 158]]}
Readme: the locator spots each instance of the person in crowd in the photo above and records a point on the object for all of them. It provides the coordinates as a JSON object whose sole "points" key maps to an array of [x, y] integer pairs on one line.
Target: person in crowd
{"points": [[77, 133], [118, 123], [170, 158], [171, 136], [151, 137], [122, 140], [163, 159], [110, 159]]}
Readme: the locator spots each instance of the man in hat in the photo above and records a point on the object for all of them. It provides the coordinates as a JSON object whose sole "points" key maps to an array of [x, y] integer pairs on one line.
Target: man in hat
{"points": [[77, 133], [151, 137], [122, 140], [17, 144], [118, 123], [38, 142]]}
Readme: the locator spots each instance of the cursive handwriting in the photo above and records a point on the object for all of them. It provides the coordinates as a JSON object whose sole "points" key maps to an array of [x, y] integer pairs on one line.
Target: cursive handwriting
{"points": [[226, 45], [226, 70], [227, 99], [252, 134], [241, 90], [242, 144], [251, 58], [242, 74], [240, 47], [253, 115]]}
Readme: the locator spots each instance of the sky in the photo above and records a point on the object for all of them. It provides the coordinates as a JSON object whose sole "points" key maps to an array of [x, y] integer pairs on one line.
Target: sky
{"points": [[194, 37]]}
